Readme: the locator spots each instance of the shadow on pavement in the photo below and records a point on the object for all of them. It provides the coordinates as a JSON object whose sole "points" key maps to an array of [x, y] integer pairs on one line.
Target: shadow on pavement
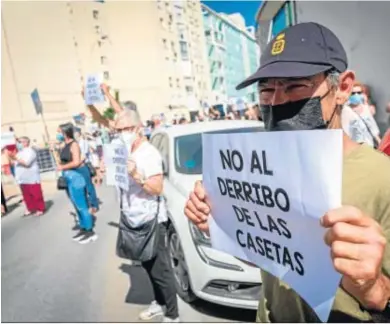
{"points": [[224, 312], [113, 224], [49, 205], [141, 291], [12, 207]]}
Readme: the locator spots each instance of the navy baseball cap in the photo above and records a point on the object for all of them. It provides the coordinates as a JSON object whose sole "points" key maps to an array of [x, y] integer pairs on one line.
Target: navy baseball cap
{"points": [[302, 50]]}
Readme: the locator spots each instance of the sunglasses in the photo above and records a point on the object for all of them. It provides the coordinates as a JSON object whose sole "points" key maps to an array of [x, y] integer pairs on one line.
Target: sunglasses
{"points": [[357, 92]]}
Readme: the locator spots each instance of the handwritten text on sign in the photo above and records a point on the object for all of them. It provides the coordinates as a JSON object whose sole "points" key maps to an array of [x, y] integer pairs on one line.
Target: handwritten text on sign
{"points": [[93, 93], [115, 160], [268, 191]]}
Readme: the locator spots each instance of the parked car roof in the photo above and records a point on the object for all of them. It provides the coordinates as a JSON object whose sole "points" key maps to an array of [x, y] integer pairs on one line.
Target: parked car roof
{"points": [[207, 126]]}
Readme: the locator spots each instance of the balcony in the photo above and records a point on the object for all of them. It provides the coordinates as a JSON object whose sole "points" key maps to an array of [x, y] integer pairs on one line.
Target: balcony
{"points": [[214, 55], [178, 4], [218, 83]]}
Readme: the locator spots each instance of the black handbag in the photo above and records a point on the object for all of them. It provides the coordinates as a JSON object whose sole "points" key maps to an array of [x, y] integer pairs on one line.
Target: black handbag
{"points": [[138, 243], [61, 183], [92, 170]]}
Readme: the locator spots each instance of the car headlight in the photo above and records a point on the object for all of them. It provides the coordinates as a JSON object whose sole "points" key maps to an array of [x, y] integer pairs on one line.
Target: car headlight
{"points": [[201, 238], [198, 236]]}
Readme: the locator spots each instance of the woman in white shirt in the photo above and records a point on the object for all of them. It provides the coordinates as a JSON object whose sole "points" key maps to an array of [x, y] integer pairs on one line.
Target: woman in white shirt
{"points": [[28, 177], [357, 120]]}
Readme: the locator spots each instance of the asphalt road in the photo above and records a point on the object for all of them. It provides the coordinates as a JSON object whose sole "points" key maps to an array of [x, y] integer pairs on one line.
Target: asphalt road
{"points": [[46, 277]]}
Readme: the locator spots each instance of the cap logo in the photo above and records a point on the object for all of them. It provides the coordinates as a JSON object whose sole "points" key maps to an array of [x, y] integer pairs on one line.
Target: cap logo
{"points": [[278, 45]]}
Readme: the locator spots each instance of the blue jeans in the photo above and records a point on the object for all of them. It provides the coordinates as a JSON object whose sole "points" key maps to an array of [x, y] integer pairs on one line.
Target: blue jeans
{"points": [[77, 189], [91, 191]]}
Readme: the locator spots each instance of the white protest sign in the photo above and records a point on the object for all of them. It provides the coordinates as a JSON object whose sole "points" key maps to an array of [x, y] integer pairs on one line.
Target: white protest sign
{"points": [[115, 160], [268, 191], [93, 93], [7, 138]]}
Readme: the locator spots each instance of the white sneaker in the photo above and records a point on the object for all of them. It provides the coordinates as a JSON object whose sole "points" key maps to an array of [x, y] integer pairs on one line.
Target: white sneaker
{"points": [[171, 320], [78, 236], [153, 310], [88, 237]]}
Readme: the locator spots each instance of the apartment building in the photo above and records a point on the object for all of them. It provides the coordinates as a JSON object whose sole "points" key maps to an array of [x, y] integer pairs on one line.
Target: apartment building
{"points": [[363, 40], [144, 50], [185, 52], [233, 54]]}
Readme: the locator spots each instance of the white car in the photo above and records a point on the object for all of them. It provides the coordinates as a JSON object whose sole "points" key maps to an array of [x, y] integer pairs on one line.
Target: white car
{"points": [[200, 271]]}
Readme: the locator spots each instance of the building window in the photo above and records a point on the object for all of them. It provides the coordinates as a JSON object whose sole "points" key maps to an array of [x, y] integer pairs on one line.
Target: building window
{"points": [[170, 82], [103, 60], [165, 43], [178, 83], [189, 90], [95, 14], [106, 75], [279, 22], [99, 43], [184, 51]]}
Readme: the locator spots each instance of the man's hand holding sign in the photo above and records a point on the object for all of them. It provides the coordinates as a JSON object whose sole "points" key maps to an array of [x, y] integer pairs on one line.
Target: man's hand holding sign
{"points": [[279, 221], [357, 249]]}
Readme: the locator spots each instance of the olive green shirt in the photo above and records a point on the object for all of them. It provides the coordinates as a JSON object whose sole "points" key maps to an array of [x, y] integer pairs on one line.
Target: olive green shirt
{"points": [[366, 185]]}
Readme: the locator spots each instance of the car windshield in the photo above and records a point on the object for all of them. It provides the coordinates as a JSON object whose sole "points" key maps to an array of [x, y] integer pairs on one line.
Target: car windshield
{"points": [[188, 150]]}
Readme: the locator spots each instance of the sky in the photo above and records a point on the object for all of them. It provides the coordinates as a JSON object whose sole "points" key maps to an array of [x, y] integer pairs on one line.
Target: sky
{"points": [[247, 8]]}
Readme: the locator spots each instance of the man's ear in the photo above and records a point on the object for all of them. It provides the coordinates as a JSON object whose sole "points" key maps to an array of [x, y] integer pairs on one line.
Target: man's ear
{"points": [[344, 89]]}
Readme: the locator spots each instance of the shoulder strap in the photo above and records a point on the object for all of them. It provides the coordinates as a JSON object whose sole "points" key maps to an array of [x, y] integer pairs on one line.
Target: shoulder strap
{"points": [[369, 130], [158, 205]]}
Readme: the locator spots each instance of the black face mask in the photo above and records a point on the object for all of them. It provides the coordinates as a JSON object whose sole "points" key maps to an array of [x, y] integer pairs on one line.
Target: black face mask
{"points": [[305, 114]]}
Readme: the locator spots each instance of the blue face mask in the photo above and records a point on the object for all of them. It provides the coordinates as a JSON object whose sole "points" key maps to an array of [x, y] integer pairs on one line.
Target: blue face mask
{"points": [[19, 146], [355, 99], [60, 137]]}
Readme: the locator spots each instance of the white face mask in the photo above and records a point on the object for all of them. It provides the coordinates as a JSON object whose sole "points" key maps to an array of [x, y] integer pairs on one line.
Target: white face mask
{"points": [[128, 139]]}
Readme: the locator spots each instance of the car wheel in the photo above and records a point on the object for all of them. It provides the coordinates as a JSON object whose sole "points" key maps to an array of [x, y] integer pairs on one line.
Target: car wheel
{"points": [[179, 266]]}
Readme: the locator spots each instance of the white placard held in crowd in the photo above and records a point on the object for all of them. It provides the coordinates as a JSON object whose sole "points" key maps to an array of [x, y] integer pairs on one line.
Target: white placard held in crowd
{"points": [[115, 160], [268, 191], [92, 92], [7, 138]]}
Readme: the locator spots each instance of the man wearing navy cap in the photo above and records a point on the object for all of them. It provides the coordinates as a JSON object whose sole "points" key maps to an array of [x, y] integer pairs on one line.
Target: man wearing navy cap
{"points": [[303, 83]]}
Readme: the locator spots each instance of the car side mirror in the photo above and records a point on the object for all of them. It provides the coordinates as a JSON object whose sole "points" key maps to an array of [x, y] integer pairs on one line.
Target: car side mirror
{"points": [[165, 167]]}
